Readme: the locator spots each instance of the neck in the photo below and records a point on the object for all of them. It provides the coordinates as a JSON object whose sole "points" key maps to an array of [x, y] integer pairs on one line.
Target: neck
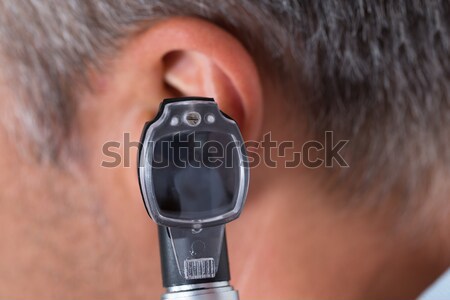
{"points": [[288, 244]]}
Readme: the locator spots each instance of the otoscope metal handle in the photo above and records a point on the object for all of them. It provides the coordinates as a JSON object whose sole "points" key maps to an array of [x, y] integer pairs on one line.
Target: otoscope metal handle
{"points": [[221, 291]]}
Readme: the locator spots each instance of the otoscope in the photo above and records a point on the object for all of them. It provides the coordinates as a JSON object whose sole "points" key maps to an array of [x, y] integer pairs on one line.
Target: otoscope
{"points": [[194, 179]]}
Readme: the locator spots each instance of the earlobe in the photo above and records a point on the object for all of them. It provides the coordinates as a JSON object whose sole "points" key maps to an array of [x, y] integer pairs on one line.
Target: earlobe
{"points": [[200, 59]]}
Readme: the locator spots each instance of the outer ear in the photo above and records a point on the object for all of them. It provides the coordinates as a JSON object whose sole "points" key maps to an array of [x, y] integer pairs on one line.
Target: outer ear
{"points": [[170, 58], [197, 58]]}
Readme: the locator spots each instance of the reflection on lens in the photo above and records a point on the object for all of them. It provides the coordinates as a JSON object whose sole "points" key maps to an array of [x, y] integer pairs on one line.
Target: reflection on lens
{"points": [[193, 180]]}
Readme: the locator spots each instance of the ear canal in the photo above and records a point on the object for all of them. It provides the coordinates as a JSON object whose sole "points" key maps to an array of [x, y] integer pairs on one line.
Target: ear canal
{"points": [[190, 73]]}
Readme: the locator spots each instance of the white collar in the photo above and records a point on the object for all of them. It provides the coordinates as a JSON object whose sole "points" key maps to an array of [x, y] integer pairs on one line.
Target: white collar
{"points": [[439, 290]]}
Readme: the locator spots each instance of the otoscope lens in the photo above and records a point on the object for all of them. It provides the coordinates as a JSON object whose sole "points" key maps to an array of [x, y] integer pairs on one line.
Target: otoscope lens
{"points": [[195, 175]]}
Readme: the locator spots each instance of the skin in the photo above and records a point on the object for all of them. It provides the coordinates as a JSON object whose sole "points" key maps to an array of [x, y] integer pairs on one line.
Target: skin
{"points": [[82, 231]]}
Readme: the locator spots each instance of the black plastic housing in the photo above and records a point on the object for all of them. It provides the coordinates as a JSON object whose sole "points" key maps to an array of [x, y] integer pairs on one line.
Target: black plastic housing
{"points": [[169, 270]]}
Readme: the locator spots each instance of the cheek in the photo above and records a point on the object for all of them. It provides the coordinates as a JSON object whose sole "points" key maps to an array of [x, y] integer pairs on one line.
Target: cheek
{"points": [[56, 238], [110, 148], [109, 134], [69, 238]]}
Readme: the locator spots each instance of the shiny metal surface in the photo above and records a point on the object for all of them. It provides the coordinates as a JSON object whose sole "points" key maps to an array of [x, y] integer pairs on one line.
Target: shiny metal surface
{"points": [[221, 291], [197, 286]]}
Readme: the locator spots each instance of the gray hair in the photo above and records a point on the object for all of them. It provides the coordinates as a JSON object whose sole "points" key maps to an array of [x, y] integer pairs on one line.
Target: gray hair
{"points": [[374, 72]]}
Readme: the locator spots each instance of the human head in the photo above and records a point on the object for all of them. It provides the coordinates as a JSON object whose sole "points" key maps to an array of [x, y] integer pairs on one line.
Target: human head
{"points": [[78, 75]]}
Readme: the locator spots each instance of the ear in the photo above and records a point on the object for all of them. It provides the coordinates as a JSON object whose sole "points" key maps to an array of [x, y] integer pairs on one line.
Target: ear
{"points": [[192, 57], [202, 59], [170, 58]]}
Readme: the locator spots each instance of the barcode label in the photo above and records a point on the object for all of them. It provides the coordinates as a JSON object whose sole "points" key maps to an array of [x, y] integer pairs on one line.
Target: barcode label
{"points": [[199, 268]]}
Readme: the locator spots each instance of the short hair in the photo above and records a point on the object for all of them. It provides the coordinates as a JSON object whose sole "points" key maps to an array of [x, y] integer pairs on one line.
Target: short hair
{"points": [[374, 72]]}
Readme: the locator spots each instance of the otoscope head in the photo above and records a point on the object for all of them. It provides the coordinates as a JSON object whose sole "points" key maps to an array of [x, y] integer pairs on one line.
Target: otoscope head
{"points": [[192, 166]]}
